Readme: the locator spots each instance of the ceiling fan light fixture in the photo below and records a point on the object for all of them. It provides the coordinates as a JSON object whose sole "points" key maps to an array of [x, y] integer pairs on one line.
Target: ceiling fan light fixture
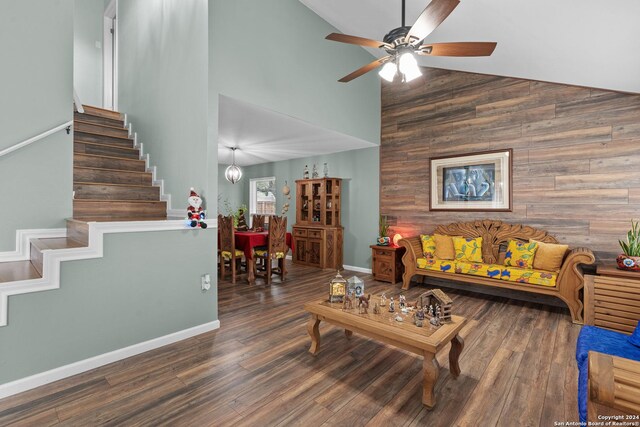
{"points": [[389, 71], [408, 66], [233, 173]]}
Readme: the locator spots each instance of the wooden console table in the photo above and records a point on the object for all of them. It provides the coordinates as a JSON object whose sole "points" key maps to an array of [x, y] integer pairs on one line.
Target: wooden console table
{"points": [[425, 341], [612, 298]]}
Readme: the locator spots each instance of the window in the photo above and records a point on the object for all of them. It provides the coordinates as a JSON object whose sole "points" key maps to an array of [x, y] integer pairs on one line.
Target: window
{"points": [[262, 197]]}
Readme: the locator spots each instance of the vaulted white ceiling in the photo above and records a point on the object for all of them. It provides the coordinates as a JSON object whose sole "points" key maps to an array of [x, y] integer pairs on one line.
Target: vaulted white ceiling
{"points": [[263, 136], [591, 43]]}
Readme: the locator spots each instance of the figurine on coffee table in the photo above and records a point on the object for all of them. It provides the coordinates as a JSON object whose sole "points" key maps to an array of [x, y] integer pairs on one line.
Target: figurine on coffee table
{"points": [[363, 304], [392, 305], [348, 302], [402, 302]]}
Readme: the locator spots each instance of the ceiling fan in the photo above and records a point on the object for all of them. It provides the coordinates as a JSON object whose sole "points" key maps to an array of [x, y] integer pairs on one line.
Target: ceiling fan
{"points": [[404, 42]]}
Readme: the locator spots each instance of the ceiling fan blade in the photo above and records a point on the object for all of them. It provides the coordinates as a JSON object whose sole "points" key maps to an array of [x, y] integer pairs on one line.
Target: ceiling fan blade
{"points": [[364, 70], [457, 49], [360, 41], [432, 16]]}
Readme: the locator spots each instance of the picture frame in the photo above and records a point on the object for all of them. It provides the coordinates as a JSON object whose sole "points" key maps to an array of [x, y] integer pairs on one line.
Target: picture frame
{"points": [[475, 182]]}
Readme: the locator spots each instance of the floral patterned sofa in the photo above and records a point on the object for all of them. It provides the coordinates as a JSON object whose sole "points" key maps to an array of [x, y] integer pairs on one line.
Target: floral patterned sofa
{"points": [[494, 253]]}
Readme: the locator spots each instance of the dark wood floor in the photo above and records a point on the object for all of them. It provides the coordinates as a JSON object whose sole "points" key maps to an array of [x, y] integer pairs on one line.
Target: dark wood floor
{"points": [[517, 369]]}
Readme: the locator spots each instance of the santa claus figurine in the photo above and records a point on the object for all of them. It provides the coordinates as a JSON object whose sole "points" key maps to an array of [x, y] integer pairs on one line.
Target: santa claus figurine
{"points": [[195, 213]]}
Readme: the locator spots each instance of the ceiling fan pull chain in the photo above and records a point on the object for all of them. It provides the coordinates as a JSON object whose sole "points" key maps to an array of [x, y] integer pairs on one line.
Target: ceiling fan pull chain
{"points": [[403, 12]]}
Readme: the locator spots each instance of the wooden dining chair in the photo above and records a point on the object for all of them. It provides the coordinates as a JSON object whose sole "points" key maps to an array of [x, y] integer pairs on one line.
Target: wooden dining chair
{"points": [[228, 252], [276, 249], [257, 221]]}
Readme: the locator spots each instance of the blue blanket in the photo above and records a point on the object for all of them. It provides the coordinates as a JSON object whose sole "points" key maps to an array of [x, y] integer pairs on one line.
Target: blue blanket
{"points": [[603, 341]]}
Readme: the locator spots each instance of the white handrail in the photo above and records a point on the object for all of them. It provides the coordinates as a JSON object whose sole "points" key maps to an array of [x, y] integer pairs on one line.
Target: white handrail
{"points": [[36, 138]]}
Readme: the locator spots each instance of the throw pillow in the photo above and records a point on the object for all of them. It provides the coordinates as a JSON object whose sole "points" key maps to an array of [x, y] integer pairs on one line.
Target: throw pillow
{"points": [[444, 247], [549, 256], [468, 249], [428, 246], [520, 254]]}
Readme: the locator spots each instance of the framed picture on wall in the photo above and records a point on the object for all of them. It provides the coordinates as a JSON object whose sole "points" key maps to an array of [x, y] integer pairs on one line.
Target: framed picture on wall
{"points": [[472, 182]]}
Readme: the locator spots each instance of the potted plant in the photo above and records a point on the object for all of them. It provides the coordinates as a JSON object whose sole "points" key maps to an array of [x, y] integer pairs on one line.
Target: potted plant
{"points": [[630, 258], [383, 229]]}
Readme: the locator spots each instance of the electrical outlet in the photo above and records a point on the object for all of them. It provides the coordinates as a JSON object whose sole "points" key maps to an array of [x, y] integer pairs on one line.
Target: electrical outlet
{"points": [[206, 282]]}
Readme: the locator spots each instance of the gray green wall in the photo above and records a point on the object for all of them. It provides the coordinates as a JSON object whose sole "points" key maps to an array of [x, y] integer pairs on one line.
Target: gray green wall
{"points": [[163, 62], [360, 194], [146, 286], [272, 53], [37, 95], [87, 57], [295, 71]]}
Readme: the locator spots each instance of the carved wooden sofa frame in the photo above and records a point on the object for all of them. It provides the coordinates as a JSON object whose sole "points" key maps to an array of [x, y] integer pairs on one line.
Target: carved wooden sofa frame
{"points": [[496, 235]]}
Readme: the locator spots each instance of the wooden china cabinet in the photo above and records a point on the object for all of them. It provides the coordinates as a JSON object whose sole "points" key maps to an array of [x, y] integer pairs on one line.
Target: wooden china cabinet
{"points": [[317, 233]]}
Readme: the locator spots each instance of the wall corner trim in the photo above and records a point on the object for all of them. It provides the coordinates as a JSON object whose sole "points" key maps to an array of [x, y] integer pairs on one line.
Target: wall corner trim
{"points": [[37, 380]]}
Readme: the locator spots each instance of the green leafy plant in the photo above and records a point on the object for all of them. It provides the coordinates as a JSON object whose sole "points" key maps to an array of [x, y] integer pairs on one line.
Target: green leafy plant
{"points": [[383, 226], [632, 246]]}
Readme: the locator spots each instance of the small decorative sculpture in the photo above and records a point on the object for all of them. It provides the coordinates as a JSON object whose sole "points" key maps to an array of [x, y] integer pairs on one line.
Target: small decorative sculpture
{"points": [[195, 213], [314, 174], [363, 304], [326, 171], [383, 300], [348, 303], [376, 308], [242, 221], [306, 172], [392, 306], [403, 301], [419, 317], [399, 318]]}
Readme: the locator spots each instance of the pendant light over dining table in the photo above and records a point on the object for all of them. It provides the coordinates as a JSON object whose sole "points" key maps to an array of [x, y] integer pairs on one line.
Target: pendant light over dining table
{"points": [[233, 173]]}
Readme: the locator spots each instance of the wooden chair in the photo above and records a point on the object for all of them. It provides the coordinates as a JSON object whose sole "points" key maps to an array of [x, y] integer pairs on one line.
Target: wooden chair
{"points": [[276, 249], [257, 221], [228, 247]]}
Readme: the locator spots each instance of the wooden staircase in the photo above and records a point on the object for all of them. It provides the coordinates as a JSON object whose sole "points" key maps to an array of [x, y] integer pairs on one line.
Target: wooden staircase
{"points": [[109, 179], [110, 183]]}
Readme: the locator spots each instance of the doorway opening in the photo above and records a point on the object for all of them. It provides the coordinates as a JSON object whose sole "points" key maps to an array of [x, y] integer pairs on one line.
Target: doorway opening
{"points": [[110, 58]]}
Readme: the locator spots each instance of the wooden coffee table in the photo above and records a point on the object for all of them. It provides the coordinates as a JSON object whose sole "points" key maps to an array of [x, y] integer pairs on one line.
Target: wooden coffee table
{"points": [[425, 341]]}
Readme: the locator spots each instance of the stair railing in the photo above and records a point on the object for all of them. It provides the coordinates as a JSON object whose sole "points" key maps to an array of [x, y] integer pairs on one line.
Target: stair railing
{"points": [[66, 125]]}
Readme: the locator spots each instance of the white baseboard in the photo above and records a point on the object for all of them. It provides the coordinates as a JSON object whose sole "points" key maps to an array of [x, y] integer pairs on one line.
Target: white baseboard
{"points": [[28, 383], [357, 269]]}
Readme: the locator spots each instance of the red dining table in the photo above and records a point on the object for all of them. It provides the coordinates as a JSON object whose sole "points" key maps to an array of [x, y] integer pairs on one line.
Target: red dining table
{"points": [[246, 241]]}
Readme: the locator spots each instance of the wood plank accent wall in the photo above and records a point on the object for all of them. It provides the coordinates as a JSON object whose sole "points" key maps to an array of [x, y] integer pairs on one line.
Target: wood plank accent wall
{"points": [[576, 152]]}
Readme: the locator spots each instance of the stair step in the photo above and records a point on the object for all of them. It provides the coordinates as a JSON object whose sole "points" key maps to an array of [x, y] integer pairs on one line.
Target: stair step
{"points": [[40, 245], [107, 191], [78, 230], [92, 209], [109, 162], [98, 120], [105, 150], [99, 129], [80, 136], [110, 176], [18, 270], [101, 112]]}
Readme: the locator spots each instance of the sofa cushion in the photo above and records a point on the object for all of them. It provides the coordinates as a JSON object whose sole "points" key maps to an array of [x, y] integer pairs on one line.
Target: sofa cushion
{"points": [[468, 249], [520, 254], [444, 246], [549, 256], [604, 341], [479, 269], [527, 275], [428, 245], [436, 264]]}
